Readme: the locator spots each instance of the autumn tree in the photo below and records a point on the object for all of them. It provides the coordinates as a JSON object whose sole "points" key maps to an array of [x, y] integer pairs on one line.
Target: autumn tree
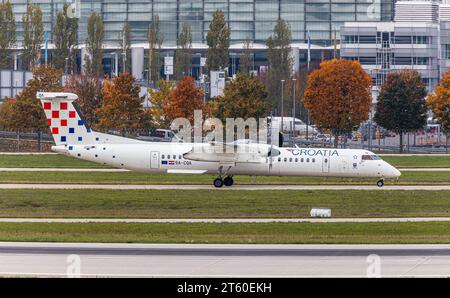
{"points": [[94, 45], [65, 40], [27, 112], [157, 99], [125, 48], [245, 61], [33, 36], [6, 111], [183, 52], [244, 97], [439, 103], [401, 105], [155, 41], [338, 96], [280, 62], [7, 34], [122, 108], [218, 40], [89, 91], [184, 99]]}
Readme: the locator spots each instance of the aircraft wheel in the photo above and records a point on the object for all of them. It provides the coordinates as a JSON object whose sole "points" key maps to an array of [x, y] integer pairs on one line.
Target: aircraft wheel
{"points": [[228, 181], [218, 182], [380, 183]]}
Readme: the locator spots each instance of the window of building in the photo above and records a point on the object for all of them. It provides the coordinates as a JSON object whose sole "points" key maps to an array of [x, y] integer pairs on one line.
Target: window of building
{"points": [[420, 60], [446, 51], [350, 39], [367, 39], [421, 39], [402, 39]]}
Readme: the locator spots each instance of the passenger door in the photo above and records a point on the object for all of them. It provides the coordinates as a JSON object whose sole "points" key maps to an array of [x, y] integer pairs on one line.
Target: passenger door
{"points": [[325, 164], [154, 160]]}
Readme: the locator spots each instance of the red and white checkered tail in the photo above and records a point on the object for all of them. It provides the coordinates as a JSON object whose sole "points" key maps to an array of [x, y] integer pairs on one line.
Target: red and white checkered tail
{"points": [[65, 122]]}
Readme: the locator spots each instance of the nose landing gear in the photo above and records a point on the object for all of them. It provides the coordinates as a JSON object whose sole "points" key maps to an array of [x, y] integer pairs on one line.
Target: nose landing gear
{"points": [[380, 183]]}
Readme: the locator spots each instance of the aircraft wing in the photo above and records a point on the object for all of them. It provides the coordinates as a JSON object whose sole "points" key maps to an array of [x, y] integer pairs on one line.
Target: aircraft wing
{"points": [[228, 153]]}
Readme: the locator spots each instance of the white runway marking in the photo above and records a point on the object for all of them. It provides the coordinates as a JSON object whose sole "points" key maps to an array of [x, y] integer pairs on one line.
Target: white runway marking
{"points": [[194, 260], [235, 187], [222, 220]]}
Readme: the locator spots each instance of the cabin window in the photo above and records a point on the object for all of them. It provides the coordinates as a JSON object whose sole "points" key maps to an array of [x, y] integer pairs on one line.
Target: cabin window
{"points": [[290, 159], [296, 159], [279, 158], [307, 160], [313, 160], [162, 156], [180, 157], [285, 159], [302, 160]]}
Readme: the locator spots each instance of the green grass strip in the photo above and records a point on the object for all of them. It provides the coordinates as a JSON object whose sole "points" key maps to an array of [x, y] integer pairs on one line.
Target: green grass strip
{"points": [[220, 204], [292, 233]]}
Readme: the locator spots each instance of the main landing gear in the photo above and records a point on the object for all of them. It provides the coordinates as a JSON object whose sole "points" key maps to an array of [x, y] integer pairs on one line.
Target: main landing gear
{"points": [[227, 181], [223, 172], [380, 183]]}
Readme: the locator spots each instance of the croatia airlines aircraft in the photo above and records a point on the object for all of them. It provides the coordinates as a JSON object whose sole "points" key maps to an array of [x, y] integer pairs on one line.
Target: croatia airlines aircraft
{"points": [[73, 138]]}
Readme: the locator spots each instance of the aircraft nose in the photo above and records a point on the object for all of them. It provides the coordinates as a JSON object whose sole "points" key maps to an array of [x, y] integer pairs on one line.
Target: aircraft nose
{"points": [[395, 173]]}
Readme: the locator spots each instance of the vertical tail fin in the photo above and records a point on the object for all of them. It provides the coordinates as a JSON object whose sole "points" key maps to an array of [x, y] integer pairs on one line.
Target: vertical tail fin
{"points": [[65, 123]]}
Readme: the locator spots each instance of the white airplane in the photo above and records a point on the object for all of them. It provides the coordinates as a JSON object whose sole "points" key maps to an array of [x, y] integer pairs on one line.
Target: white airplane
{"points": [[73, 138]]}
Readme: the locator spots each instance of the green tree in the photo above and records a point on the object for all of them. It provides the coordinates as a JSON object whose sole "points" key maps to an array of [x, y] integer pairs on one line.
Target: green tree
{"points": [[33, 36], [7, 33], [157, 99], [244, 97], [401, 105], [94, 45], [89, 91], [27, 112], [218, 40], [155, 41], [183, 52], [122, 108], [125, 48], [65, 39], [280, 62], [245, 63]]}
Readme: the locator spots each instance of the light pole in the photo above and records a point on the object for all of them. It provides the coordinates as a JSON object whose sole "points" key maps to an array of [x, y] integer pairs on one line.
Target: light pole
{"points": [[282, 104], [294, 80]]}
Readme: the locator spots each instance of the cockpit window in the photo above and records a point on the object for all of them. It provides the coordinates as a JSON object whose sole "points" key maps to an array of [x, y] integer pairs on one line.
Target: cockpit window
{"points": [[370, 157]]}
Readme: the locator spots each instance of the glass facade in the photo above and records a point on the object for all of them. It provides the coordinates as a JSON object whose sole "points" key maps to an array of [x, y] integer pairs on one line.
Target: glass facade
{"points": [[248, 19]]}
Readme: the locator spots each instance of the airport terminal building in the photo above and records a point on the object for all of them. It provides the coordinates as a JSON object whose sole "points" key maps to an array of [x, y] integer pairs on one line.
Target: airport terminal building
{"points": [[248, 19]]}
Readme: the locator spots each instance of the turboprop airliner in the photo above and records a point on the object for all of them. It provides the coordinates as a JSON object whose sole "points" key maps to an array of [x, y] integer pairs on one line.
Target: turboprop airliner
{"points": [[73, 138]]}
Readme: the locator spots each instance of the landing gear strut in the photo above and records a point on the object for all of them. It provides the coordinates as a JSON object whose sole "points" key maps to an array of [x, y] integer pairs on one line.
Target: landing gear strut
{"points": [[380, 183]]}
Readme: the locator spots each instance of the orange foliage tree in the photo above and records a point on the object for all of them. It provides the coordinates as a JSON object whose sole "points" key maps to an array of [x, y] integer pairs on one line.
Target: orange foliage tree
{"points": [[338, 96], [184, 99], [439, 103], [122, 108], [27, 112]]}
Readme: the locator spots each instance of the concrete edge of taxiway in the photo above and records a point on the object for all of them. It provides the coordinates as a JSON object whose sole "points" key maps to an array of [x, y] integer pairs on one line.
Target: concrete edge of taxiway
{"points": [[222, 220], [225, 246]]}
